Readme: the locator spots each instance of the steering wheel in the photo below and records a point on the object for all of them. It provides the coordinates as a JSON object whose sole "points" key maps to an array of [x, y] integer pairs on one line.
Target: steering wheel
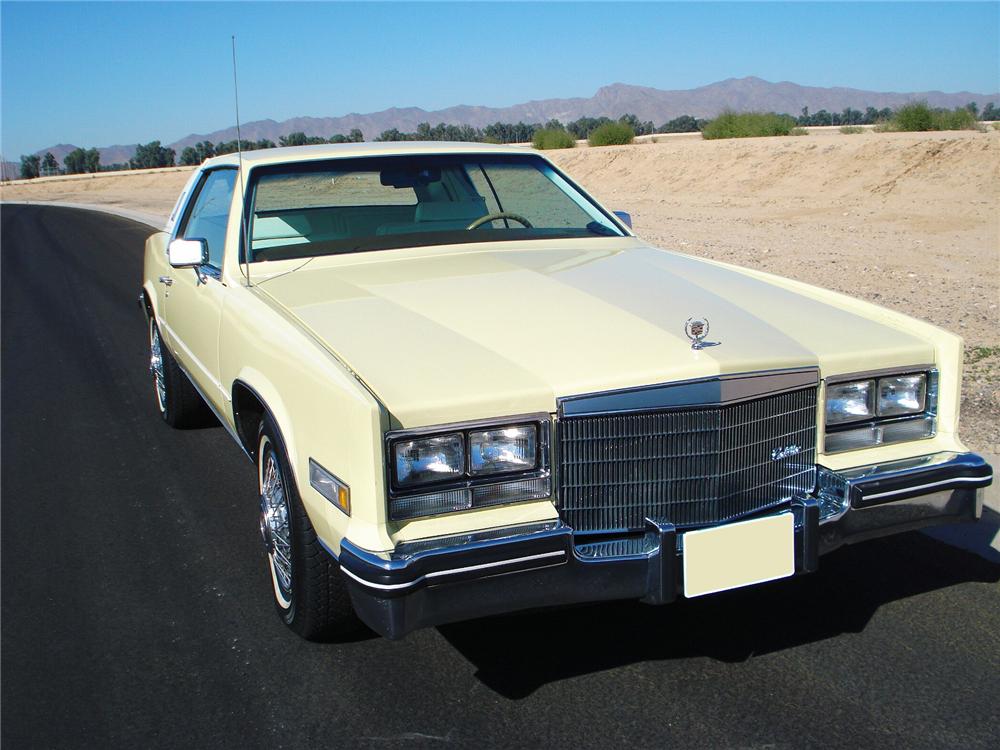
{"points": [[499, 215]]}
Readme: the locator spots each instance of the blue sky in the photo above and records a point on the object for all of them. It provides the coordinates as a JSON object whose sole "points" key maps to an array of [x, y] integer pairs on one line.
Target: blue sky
{"points": [[97, 74]]}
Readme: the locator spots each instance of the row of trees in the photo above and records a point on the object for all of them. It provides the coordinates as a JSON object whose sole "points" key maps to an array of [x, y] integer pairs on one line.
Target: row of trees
{"points": [[848, 117], [196, 154], [872, 116], [506, 132], [990, 113], [77, 161], [153, 154]]}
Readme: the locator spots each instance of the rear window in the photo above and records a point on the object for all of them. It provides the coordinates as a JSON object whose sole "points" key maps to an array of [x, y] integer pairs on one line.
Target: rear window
{"points": [[329, 188]]}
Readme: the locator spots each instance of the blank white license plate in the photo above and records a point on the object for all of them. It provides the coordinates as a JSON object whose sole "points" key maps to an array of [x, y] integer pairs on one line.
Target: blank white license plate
{"points": [[739, 554]]}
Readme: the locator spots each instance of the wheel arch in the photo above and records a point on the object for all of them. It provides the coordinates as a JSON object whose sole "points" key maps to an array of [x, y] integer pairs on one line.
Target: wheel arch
{"points": [[252, 401]]}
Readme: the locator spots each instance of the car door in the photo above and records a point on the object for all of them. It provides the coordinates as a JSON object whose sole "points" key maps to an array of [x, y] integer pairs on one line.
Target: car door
{"points": [[193, 303]]}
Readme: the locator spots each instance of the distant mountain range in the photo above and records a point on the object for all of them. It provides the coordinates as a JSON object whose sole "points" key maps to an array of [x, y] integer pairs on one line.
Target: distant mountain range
{"points": [[613, 101]]}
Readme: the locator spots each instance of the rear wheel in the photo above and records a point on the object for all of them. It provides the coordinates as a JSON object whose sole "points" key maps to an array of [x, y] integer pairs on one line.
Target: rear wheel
{"points": [[310, 593], [179, 403]]}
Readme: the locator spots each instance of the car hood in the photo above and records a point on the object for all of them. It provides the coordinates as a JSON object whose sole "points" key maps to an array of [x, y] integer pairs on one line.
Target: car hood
{"points": [[481, 331]]}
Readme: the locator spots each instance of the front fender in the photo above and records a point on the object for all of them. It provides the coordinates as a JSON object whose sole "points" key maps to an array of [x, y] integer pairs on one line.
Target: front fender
{"points": [[323, 412], [155, 265], [270, 397]]}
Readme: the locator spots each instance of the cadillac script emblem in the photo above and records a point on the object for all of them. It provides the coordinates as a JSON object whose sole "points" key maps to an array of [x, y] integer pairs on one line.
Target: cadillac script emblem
{"points": [[777, 454], [696, 330]]}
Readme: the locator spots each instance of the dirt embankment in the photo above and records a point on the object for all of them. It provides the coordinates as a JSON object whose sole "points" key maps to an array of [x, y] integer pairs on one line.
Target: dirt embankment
{"points": [[148, 191], [907, 220]]}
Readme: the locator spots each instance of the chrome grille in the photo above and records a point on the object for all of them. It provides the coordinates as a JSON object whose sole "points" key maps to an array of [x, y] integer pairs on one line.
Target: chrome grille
{"points": [[688, 467]]}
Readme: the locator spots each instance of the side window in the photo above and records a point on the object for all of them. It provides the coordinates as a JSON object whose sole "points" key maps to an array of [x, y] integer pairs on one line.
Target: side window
{"points": [[209, 214]]}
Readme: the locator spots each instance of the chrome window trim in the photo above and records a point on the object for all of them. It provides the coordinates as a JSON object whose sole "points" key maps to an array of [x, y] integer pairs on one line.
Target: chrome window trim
{"points": [[716, 390], [183, 214]]}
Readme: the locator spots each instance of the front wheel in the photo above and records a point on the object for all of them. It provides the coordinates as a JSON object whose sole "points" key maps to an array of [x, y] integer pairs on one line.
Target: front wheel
{"points": [[310, 593], [180, 404]]}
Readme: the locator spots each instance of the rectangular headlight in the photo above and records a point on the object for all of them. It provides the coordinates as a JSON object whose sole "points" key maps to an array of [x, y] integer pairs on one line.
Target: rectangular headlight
{"points": [[504, 449], [428, 460], [850, 402], [880, 410], [902, 394], [466, 466]]}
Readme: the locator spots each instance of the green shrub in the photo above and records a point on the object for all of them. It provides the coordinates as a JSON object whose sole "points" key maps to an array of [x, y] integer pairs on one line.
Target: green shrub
{"points": [[852, 129], [749, 125], [798, 131], [552, 138], [918, 117], [957, 119], [915, 116], [612, 134]]}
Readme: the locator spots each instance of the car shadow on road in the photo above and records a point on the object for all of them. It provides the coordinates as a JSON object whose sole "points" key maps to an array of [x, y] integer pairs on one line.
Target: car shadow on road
{"points": [[515, 655]]}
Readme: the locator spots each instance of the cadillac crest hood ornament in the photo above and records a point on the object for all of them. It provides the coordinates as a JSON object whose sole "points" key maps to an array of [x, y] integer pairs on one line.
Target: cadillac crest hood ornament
{"points": [[696, 329]]}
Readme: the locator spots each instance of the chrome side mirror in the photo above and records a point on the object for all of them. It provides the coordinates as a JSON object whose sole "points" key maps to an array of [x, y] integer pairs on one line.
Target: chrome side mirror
{"points": [[187, 253], [624, 217]]}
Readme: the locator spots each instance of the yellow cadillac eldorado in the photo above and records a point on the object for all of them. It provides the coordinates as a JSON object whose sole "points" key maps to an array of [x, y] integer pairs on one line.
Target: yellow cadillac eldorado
{"points": [[470, 389]]}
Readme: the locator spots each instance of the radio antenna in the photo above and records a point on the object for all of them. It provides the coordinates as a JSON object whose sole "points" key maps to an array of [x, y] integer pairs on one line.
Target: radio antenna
{"points": [[245, 244]]}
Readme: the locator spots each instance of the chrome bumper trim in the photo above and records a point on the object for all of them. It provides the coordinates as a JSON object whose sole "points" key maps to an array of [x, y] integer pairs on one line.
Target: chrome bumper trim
{"points": [[867, 486], [455, 571], [495, 571], [978, 481]]}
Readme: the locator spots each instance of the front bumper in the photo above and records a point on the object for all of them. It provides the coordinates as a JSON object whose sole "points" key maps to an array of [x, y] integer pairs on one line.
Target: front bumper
{"points": [[432, 582]]}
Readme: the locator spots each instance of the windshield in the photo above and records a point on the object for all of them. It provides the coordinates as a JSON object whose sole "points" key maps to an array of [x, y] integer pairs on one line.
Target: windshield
{"points": [[355, 205]]}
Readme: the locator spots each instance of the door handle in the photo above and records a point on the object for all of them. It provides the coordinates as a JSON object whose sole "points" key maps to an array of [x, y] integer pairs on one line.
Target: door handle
{"points": [[166, 280]]}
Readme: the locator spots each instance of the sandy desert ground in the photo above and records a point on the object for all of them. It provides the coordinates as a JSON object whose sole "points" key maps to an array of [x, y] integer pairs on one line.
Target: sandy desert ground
{"points": [[907, 220]]}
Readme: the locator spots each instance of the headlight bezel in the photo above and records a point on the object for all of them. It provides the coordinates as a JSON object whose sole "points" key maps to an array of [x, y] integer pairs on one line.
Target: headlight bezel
{"points": [[881, 429], [478, 488]]}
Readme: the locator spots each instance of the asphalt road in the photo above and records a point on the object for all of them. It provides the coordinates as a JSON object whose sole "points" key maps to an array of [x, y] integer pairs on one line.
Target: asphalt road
{"points": [[137, 613]]}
